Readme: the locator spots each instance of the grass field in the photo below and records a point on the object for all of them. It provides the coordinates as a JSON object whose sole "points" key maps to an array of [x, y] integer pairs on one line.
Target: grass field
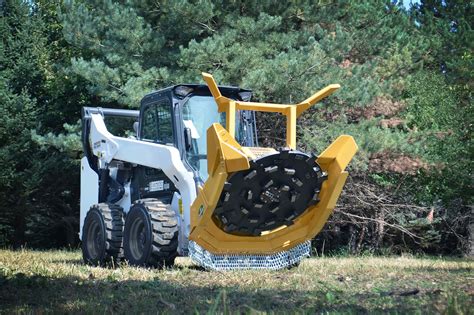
{"points": [[58, 281]]}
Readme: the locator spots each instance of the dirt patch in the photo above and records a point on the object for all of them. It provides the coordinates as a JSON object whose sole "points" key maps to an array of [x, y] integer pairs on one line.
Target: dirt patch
{"points": [[345, 64], [380, 106], [331, 116], [392, 123], [443, 134], [390, 162]]}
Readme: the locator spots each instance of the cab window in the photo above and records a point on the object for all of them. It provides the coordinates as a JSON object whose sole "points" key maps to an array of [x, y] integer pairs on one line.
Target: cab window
{"points": [[157, 124]]}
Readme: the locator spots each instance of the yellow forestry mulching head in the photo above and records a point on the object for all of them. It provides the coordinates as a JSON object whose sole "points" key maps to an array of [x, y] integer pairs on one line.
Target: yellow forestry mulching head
{"points": [[260, 207]]}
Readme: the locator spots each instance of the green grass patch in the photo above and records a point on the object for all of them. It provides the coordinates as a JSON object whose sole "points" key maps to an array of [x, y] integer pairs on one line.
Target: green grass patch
{"points": [[58, 281]]}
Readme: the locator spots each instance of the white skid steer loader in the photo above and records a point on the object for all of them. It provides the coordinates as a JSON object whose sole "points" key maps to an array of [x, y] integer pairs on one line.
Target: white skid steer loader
{"points": [[193, 181]]}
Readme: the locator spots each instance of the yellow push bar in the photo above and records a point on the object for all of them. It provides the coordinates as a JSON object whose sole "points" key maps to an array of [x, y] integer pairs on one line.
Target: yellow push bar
{"points": [[291, 111]]}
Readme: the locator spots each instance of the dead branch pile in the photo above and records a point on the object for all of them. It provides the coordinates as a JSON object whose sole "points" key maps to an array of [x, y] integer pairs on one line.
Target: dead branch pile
{"points": [[378, 219]]}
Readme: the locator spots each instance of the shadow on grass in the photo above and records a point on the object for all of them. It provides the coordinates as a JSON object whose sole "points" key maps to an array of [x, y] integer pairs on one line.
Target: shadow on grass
{"points": [[111, 266], [22, 293], [435, 270], [68, 261], [38, 294]]}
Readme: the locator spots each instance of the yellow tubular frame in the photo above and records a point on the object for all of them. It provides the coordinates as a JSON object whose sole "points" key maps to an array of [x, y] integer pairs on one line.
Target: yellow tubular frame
{"points": [[226, 156], [291, 111]]}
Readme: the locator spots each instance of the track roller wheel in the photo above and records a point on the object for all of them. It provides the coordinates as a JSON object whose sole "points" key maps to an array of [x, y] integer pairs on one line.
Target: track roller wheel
{"points": [[151, 234], [102, 234]]}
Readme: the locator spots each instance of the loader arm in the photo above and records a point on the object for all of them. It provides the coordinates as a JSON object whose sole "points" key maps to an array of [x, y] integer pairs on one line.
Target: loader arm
{"points": [[108, 147]]}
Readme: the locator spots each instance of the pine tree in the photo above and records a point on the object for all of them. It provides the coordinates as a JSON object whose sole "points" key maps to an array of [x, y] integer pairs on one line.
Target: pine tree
{"points": [[406, 78], [37, 200], [18, 111]]}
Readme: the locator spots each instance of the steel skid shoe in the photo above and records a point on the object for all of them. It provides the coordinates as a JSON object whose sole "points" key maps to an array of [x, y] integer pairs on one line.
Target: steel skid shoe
{"points": [[260, 207]]}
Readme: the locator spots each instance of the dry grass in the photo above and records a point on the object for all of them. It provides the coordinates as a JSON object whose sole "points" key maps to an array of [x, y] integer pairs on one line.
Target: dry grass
{"points": [[58, 281]]}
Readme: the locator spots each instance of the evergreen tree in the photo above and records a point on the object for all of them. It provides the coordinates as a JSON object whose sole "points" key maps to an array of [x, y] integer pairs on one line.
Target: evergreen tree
{"points": [[406, 78], [39, 183]]}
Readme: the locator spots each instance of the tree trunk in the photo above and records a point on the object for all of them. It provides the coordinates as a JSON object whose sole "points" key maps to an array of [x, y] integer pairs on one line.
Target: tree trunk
{"points": [[19, 226], [470, 249]]}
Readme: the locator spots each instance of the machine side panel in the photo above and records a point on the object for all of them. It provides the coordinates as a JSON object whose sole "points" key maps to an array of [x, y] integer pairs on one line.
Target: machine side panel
{"points": [[151, 183], [89, 190]]}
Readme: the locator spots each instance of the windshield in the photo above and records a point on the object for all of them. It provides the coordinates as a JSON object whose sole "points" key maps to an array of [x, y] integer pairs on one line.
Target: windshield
{"points": [[199, 113]]}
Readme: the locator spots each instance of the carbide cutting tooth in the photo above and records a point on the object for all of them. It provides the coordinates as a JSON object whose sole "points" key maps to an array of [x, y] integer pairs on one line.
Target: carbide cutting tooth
{"points": [[253, 220], [311, 160], [268, 184], [244, 230], [316, 169], [250, 175], [285, 188], [270, 223], [258, 206], [218, 210], [315, 196], [226, 196], [315, 199], [244, 211], [229, 228], [274, 210], [227, 186], [290, 217], [249, 195], [297, 182], [294, 196], [322, 177], [224, 219], [290, 171], [284, 153], [299, 211], [271, 169]]}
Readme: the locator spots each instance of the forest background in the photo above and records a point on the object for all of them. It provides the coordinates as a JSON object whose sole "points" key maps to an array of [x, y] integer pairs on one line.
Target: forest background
{"points": [[405, 72]]}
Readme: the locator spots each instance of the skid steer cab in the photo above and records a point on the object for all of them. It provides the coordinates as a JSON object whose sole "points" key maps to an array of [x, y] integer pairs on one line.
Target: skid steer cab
{"points": [[190, 179]]}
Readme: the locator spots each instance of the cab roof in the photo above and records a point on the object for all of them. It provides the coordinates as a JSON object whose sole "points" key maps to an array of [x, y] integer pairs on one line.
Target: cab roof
{"points": [[200, 89]]}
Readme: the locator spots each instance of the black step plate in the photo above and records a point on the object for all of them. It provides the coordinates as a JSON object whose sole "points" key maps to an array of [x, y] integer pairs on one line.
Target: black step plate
{"points": [[273, 192]]}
